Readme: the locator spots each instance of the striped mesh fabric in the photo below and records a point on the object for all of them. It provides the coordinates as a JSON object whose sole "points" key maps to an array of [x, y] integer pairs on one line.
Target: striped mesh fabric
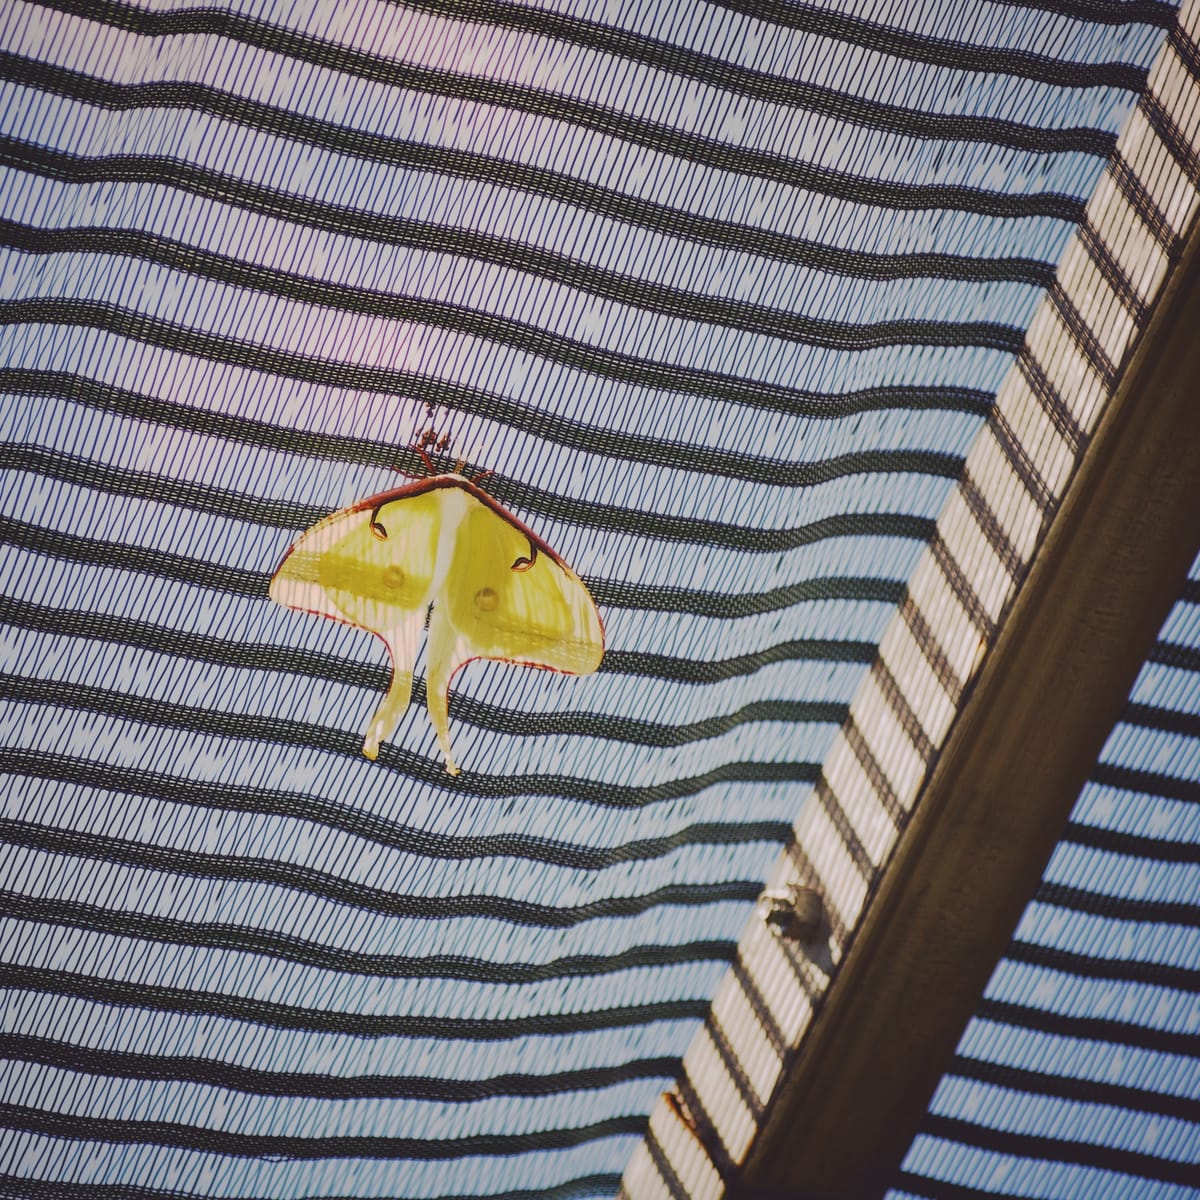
{"points": [[720, 294], [1079, 1075]]}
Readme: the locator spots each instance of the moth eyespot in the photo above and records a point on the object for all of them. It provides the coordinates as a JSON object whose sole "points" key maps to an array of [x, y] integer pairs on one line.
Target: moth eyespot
{"points": [[486, 600], [393, 578]]}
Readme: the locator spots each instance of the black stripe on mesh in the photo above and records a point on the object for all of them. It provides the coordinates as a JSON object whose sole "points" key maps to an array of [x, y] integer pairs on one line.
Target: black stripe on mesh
{"points": [[932, 649], [1124, 1033], [735, 78], [278, 514], [666, 1172], [331, 887], [614, 593], [201, 721], [1118, 908], [346, 818], [891, 691], [115, 480], [1165, 720], [923, 1186], [1183, 45], [845, 830], [1125, 970], [1082, 334], [427, 389], [881, 785], [961, 587], [261, 656], [1086, 1154], [1169, 654], [1022, 465], [1176, 141], [576, 354], [239, 582], [234, 581], [696, 1117], [1138, 196], [733, 1068], [1132, 844], [1085, 1091], [207, 1003], [238, 939], [939, 52], [1114, 274], [661, 526], [1151, 783], [999, 542], [676, 60], [1190, 594], [1106, 12], [380, 228], [489, 327], [106, 397], [762, 1010], [13, 1187], [1048, 398], [661, 666], [71, 1127], [211, 1072]]}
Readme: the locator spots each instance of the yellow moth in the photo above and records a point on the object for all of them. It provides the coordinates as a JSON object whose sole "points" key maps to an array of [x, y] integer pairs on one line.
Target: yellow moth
{"points": [[496, 590]]}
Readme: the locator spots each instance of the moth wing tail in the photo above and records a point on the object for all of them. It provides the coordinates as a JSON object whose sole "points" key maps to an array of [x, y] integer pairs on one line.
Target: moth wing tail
{"points": [[387, 715], [402, 644], [446, 655]]}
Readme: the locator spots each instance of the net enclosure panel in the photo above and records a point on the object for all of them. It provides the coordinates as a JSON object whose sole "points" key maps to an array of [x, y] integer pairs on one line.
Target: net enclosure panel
{"points": [[721, 295], [1080, 1073], [1053, 562]]}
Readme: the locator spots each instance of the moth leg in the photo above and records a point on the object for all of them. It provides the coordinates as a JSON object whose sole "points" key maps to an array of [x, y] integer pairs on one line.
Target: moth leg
{"points": [[402, 643], [444, 660]]}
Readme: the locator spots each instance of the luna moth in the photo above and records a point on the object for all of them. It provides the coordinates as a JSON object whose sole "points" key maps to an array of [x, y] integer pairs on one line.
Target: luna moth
{"points": [[441, 547]]}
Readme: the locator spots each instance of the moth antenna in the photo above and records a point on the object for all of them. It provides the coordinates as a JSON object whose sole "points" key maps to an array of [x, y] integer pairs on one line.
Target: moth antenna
{"points": [[458, 466]]}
